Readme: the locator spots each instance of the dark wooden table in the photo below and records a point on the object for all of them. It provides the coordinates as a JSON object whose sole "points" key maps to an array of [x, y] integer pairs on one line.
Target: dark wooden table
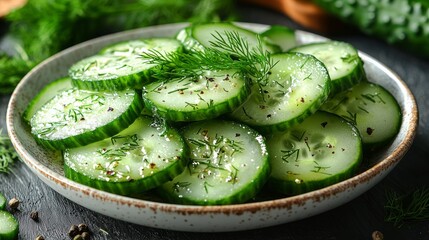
{"points": [[354, 220]]}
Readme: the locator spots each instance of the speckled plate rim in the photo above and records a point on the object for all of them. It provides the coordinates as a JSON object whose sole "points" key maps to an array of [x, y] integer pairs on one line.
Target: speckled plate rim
{"points": [[218, 218]]}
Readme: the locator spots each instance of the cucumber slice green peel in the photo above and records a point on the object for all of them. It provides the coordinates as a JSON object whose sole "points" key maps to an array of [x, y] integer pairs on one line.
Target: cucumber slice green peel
{"points": [[198, 37], [120, 66], [79, 117], [342, 60], [137, 159], [296, 87], [48, 92], [229, 164], [191, 99], [9, 226], [321, 151], [373, 110]]}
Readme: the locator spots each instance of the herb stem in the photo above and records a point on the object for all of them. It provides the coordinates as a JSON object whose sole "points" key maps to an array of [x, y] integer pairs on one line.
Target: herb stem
{"points": [[413, 206]]}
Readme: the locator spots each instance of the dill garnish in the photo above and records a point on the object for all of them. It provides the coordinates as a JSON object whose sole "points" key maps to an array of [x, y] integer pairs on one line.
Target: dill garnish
{"points": [[410, 207], [121, 145], [228, 51], [7, 153]]}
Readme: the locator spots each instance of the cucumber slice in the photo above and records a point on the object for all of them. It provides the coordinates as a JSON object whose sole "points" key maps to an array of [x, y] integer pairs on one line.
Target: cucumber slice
{"points": [[137, 47], [322, 150], [229, 164], [48, 92], [120, 66], [342, 61], [199, 36], [2, 202], [281, 36], [298, 85], [137, 159], [78, 117], [374, 111], [9, 226], [209, 96]]}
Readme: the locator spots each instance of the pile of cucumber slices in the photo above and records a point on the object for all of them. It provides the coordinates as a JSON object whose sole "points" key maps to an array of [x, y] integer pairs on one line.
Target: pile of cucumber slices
{"points": [[215, 115]]}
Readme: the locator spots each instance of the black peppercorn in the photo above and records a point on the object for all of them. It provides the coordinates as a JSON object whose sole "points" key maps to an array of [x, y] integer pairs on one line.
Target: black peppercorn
{"points": [[14, 203], [35, 216], [83, 228], [73, 231]]}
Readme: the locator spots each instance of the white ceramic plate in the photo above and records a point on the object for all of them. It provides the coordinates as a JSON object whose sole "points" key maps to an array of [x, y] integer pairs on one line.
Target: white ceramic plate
{"points": [[48, 166]]}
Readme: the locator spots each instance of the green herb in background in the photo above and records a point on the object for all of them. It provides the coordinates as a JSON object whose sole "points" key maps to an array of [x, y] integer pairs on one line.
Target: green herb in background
{"points": [[7, 153], [43, 27], [410, 207]]}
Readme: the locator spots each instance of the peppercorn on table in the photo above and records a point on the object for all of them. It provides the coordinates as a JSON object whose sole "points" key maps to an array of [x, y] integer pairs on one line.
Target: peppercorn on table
{"points": [[44, 213]]}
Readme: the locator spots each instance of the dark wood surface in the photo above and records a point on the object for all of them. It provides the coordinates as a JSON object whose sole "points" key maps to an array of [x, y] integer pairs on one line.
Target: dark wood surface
{"points": [[354, 220]]}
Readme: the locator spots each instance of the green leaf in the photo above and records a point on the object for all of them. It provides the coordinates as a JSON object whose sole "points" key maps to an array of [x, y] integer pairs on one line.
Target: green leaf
{"points": [[8, 154]]}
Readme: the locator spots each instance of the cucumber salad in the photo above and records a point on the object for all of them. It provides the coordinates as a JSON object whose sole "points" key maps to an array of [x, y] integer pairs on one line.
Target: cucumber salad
{"points": [[215, 115]]}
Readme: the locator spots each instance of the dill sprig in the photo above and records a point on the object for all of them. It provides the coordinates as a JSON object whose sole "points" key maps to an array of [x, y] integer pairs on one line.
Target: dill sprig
{"points": [[413, 206], [228, 51], [256, 62], [43, 27], [8, 154]]}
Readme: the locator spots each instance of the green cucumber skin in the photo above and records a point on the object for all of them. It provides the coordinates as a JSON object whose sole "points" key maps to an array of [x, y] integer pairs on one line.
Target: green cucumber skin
{"points": [[49, 91], [135, 186], [137, 76], [111, 82], [136, 80], [217, 109], [356, 75], [263, 126], [142, 43], [12, 232], [400, 22], [244, 194], [349, 81], [290, 187], [352, 102], [200, 114], [100, 133], [131, 187], [186, 36]]}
